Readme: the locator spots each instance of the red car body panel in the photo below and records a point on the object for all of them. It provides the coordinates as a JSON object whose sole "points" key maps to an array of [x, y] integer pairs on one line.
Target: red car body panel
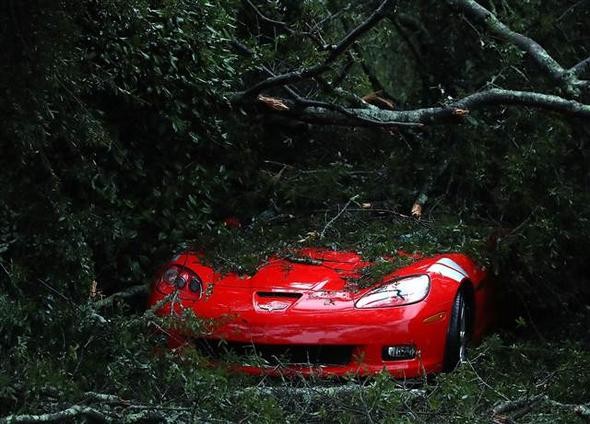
{"points": [[308, 301]]}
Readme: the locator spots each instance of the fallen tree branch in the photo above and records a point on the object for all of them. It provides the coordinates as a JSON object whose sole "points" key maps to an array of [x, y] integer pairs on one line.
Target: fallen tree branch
{"points": [[129, 293], [568, 78], [335, 52], [61, 416], [318, 113], [303, 102], [104, 398], [522, 406], [355, 100], [349, 113], [107, 408], [311, 390], [514, 405], [327, 113], [583, 410]]}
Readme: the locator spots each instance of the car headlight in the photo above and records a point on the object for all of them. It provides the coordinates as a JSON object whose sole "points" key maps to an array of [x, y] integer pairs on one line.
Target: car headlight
{"points": [[402, 291]]}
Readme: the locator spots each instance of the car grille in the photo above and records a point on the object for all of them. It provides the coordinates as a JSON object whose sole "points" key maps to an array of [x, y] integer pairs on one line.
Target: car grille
{"points": [[278, 354]]}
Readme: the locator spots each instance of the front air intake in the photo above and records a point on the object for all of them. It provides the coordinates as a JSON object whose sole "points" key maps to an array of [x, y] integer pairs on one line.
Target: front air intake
{"points": [[278, 354]]}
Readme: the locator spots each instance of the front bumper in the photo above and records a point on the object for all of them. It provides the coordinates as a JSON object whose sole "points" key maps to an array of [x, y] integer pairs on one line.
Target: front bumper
{"points": [[366, 331]]}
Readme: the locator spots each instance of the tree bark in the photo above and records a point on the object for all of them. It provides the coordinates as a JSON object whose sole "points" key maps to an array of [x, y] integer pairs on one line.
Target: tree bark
{"points": [[318, 113]]}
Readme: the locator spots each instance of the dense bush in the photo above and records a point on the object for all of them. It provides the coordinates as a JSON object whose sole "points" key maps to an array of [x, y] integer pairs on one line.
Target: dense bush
{"points": [[111, 135]]}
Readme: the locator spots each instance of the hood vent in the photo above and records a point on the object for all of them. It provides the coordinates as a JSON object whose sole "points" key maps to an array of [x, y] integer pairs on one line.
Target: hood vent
{"points": [[283, 295]]}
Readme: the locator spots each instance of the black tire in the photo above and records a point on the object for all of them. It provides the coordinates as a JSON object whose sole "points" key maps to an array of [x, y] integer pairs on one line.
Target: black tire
{"points": [[459, 332]]}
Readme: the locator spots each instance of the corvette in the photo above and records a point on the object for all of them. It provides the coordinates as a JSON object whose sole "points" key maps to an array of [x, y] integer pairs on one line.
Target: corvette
{"points": [[306, 313]]}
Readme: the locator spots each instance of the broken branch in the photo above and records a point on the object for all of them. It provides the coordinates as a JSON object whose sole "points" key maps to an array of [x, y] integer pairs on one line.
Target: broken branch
{"points": [[317, 112], [363, 120]]}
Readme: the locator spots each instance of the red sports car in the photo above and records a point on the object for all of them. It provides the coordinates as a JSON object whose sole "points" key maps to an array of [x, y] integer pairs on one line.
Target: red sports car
{"points": [[306, 312]]}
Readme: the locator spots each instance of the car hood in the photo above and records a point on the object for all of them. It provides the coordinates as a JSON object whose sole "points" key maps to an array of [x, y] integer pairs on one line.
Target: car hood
{"points": [[304, 270]]}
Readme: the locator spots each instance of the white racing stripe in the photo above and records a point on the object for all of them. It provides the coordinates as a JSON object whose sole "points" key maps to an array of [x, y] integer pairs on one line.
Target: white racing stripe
{"points": [[448, 268], [452, 264]]}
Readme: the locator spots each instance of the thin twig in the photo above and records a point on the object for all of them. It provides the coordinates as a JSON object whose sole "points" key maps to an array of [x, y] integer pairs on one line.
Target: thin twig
{"points": [[569, 9], [267, 19], [352, 199], [6, 271]]}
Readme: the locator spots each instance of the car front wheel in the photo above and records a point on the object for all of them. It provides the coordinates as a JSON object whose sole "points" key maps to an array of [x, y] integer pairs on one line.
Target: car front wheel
{"points": [[459, 332]]}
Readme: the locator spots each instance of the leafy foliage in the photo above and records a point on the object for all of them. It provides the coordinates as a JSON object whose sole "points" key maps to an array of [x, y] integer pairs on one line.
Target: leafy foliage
{"points": [[119, 146]]}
